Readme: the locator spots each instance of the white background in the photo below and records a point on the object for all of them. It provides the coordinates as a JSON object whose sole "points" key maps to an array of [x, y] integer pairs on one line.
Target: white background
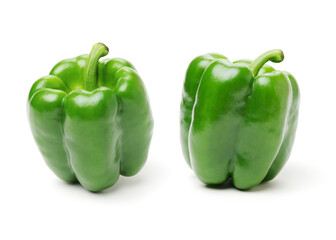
{"points": [[165, 200]]}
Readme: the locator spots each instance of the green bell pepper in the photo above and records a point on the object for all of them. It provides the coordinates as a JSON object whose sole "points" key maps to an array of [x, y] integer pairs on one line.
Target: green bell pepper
{"points": [[238, 120], [91, 119]]}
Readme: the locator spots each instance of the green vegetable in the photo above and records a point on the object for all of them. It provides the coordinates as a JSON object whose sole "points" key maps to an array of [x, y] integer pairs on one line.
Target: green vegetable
{"points": [[238, 119], [91, 119]]}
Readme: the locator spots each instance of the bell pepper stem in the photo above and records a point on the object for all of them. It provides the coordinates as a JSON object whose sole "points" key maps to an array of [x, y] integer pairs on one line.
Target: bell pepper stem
{"points": [[91, 70], [274, 55]]}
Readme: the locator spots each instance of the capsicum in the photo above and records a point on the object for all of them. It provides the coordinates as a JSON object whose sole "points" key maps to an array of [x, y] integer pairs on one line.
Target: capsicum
{"points": [[238, 120], [91, 119]]}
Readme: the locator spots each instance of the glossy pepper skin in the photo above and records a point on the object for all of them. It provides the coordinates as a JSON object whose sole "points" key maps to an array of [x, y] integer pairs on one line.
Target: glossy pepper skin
{"points": [[238, 120], [91, 119]]}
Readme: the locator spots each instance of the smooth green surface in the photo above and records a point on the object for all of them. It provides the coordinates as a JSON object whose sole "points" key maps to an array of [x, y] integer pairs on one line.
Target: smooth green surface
{"points": [[238, 120], [91, 119], [193, 77]]}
